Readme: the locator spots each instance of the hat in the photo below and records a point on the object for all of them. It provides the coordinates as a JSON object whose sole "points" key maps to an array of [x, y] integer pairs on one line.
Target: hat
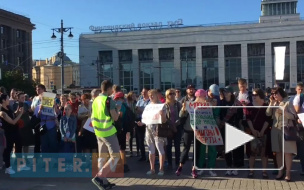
{"points": [[119, 95], [190, 86], [228, 89], [214, 89], [200, 93]]}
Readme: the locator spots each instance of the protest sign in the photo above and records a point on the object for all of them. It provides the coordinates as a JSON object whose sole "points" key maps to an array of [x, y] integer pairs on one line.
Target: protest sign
{"points": [[88, 125], [151, 114], [48, 103], [301, 117], [204, 124]]}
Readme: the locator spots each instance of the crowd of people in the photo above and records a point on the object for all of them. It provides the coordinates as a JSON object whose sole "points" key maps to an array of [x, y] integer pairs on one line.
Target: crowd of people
{"points": [[117, 122]]}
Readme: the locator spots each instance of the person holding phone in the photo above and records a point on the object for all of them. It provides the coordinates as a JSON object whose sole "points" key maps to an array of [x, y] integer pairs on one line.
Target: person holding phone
{"points": [[24, 125]]}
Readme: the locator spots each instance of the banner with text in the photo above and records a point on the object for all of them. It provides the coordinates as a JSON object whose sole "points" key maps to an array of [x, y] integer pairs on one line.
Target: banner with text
{"points": [[151, 114], [204, 124], [48, 103]]}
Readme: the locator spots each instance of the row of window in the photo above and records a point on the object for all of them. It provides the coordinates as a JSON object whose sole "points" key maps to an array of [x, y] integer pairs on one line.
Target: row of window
{"points": [[279, 8], [3, 30], [209, 67]]}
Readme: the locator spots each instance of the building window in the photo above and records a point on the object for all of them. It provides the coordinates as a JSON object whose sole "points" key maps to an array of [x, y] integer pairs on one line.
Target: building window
{"points": [[210, 66], [126, 70], [166, 59], [1, 29], [188, 63], [146, 75], [300, 62], [256, 66], [146, 68], [232, 63], [105, 66], [18, 33], [18, 61]]}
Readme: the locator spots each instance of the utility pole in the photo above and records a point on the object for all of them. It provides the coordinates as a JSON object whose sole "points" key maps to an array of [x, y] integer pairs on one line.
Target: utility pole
{"points": [[60, 54]]}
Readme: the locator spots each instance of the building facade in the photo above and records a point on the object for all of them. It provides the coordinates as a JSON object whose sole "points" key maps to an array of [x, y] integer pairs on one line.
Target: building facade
{"points": [[200, 55], [48, 73], [16, 43]]}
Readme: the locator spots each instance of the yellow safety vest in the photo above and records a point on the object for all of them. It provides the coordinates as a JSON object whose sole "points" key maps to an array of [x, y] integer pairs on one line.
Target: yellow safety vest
{"points": [[102, 123]]}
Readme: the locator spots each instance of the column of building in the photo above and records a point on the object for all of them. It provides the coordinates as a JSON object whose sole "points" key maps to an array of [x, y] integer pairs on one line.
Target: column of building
{"points": [[177, 67], [269, 78], [199, 67], [115, 66], [293, 63], [244, 61], [156, 68], [135, 69], [221, 62]]}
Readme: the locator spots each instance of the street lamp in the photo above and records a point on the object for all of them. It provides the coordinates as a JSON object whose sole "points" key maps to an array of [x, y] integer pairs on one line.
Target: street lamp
{"points": [[62, 30]]}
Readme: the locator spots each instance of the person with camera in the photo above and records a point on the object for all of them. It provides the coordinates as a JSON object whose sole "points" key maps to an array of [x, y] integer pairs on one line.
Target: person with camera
{"points": [[12, 135], [258, 123]]}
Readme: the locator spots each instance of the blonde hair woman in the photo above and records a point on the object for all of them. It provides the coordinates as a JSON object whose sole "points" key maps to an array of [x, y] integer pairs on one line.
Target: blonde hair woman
{"points": [[153, 140], [173, 107]]}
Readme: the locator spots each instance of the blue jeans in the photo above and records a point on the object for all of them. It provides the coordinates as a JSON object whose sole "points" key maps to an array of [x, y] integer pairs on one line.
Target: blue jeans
{"points": [[300, 147], [49, 141]]}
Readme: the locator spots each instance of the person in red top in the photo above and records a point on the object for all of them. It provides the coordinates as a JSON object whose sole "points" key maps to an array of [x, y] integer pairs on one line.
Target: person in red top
{"points": [[160, 96], [74, 103]]}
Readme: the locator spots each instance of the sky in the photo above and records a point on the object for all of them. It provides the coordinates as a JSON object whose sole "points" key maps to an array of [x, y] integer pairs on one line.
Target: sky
{"points": [[80, 14]]}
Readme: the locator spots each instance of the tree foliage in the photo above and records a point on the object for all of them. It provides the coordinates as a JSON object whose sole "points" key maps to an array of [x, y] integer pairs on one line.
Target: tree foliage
{"points": [[15, 79]]}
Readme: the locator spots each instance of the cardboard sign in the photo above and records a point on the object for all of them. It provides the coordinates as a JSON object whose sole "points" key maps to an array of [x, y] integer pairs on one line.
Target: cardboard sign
{"points": [[88, 125], [48, 103], [151, 114], [204, 124]]}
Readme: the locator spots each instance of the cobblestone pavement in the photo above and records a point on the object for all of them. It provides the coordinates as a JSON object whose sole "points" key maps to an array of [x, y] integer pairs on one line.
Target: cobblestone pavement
{"points": [[137, 179]]}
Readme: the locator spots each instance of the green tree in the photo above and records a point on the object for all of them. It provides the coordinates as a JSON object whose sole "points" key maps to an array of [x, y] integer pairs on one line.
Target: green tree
{"points": [[15, 79]]}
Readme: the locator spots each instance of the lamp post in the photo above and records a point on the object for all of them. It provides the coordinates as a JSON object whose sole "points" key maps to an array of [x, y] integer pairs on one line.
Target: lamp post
{"points": [[60, 54]]}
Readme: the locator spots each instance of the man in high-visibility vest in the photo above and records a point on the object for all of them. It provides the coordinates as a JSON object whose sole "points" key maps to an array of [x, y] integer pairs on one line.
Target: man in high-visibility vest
{"points": [[104, 113]]}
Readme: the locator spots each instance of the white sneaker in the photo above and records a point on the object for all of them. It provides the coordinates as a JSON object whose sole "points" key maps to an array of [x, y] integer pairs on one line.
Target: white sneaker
{"points": [[212, 173], [23, 168], [228, 172], [9, 171], [200, 172], [235, 172]]}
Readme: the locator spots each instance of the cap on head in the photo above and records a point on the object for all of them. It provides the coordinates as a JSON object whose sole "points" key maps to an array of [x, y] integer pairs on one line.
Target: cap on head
{"points": [[119, 95], [201, 93], [215, 90], [190, 86], [228, 89]]}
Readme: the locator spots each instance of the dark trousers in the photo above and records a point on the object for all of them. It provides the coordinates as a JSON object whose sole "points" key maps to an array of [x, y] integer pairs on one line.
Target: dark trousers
{"points": [[235, 158], [68, 148], [188, 139], [177, 140], [141, 140], [37, 141], [11, 139], [300, 147], [132, 136]]}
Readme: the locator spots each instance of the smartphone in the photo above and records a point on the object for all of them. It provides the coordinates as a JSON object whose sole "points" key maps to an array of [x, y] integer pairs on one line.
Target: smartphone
{"points": [[20, 104]]}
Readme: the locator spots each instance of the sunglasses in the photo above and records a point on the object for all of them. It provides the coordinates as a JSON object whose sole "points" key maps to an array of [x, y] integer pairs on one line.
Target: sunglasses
{"points": [[172, 94]]}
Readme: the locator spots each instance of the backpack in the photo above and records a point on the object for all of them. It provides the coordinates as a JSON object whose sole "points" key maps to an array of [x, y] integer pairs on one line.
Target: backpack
{"points": [[128, 118], [118, 123]]}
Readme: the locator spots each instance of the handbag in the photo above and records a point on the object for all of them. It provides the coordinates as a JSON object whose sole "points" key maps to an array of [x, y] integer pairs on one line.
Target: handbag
{"points": [[291, 132], [164, 130]]}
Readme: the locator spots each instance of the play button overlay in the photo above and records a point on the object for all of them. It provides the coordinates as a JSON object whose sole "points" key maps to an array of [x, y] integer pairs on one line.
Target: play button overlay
{"points": [[235, 138]]}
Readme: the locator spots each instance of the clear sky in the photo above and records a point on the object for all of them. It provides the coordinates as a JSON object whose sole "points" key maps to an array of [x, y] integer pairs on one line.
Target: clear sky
{"points": [[81, 14]]}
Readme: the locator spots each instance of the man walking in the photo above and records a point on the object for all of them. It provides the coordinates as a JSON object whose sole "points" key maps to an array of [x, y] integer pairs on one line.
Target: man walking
{"points": [[104, 113]]}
